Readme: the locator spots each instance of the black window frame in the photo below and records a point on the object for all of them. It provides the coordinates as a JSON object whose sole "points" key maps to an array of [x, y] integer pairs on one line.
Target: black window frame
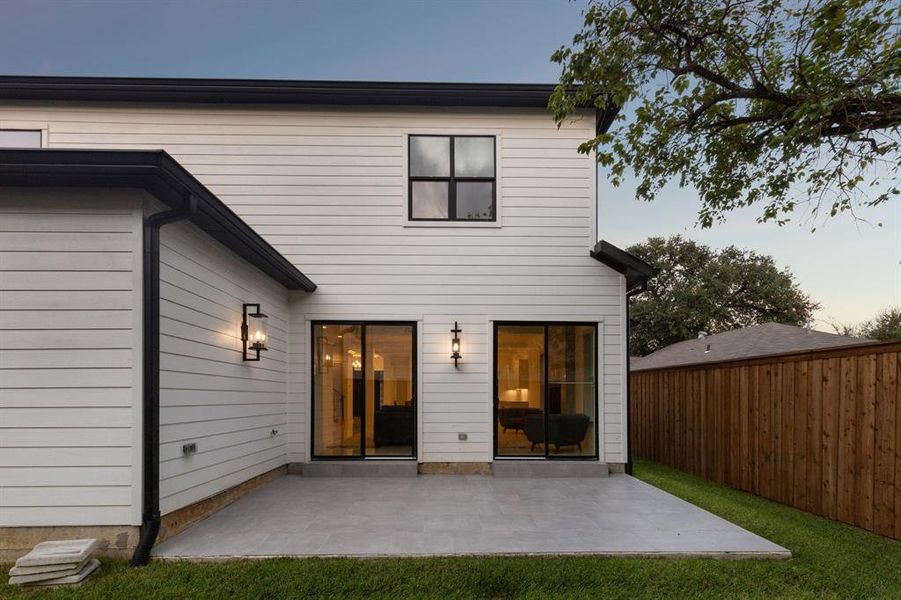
{"points": [[363, 324], [548, 456], [451, 180]]}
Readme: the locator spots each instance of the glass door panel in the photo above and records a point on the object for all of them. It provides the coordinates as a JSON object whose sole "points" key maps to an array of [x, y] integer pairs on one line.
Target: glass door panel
{"points": [[338, 391], [390, 395], [572, 405], [520, 400]]}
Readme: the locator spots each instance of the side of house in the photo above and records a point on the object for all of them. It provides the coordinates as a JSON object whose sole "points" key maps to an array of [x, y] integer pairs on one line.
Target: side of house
{"points": [[74, 371], [329, 188], [234, 411], [70, 356], [464, 320]]}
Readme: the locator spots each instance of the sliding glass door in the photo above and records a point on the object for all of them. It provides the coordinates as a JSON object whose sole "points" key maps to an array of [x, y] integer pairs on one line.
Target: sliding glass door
{"points": [[364, 390], [545, 390]]}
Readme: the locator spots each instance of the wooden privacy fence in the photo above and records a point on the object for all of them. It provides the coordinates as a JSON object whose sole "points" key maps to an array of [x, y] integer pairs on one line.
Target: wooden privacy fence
{"points": [[820, 430]]}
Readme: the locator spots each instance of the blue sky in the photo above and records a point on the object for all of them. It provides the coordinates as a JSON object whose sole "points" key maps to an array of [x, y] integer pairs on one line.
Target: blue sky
{"points": [[852, 268]]}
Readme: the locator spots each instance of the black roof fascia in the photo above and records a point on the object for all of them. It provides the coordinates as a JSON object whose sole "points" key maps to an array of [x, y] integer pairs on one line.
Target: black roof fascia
{"points": [[159, 174], [605, 119], [637, 271], [274, 91]]}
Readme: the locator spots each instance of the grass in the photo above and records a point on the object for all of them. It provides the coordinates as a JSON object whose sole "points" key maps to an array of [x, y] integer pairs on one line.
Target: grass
{"points": [[831, 560]]}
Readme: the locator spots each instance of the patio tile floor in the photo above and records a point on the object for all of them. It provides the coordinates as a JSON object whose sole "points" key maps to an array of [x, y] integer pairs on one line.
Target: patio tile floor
{"points": [[447, 515]]}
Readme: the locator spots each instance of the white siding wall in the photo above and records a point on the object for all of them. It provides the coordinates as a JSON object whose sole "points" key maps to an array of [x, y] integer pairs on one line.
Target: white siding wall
{"points": [[327, 188], [70, 357], [208, 394]]}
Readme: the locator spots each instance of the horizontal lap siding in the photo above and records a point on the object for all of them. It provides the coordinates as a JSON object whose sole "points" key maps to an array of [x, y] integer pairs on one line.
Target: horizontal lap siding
{"points": [[70, 357], [819, 432], [208, 394], [328, 188]]}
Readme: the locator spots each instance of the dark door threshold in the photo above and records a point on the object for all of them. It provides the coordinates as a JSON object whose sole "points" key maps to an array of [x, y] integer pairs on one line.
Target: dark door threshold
{"points": [[361, 468], [548, 468]]}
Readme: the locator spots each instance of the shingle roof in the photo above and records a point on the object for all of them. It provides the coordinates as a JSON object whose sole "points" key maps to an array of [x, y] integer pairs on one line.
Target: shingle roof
{"points": [[759, 340]]}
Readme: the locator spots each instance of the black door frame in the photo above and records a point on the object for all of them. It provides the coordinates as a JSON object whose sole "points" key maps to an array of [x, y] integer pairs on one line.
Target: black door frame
{"points": [[496, 399], [415, 397]]}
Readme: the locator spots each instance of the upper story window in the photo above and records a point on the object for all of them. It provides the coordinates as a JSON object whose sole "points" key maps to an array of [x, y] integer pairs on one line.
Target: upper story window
{"points": [[452, 178], [20, 138]]}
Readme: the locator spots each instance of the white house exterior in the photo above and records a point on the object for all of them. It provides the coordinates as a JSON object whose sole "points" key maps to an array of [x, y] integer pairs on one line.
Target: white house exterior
{"points": [[361, 295]]}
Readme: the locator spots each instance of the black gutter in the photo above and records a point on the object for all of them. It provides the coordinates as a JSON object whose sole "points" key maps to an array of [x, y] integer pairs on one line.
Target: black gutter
{"points": [[150, 521], [275, 91], [159, 174], [635, 269], [605, 118]]}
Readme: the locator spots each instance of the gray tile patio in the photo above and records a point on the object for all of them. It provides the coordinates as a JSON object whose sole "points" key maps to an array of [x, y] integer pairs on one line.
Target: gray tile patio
{"points": [[447, 514]]}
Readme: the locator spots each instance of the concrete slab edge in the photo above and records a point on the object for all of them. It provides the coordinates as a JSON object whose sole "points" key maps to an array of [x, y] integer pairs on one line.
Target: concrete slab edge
{"points": [[670, 555]]}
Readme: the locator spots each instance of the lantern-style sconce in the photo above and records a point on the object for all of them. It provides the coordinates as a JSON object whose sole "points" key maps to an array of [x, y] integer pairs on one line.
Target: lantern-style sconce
{"points": [[455, 344], [254, 332]]}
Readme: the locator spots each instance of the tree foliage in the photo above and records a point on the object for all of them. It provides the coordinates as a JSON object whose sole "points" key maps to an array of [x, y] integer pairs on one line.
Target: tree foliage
{"points": [[701, 289], [886, 325], [772, 102]]}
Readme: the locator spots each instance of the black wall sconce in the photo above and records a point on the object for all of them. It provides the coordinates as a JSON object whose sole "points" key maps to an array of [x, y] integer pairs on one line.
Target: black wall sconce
{"points": [[455, 344], [254, 332]]}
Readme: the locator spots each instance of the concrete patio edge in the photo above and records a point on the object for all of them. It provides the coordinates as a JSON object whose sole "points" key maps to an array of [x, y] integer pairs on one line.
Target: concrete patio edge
{"points": [[726, 555]]}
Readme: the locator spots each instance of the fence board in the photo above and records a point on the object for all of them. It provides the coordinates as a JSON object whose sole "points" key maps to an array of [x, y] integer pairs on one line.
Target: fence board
{"points": [[847, 447], [895, 390], [884, 434], [817, 430], [866, 441], [801, 435], [814, 437], [745, 427], [786, 451]]}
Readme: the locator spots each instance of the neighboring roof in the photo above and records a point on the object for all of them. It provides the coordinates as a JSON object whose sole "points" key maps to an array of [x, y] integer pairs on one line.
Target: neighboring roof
{"points": [[750, 342], [637, 271], [159, 174], [274, 91]]}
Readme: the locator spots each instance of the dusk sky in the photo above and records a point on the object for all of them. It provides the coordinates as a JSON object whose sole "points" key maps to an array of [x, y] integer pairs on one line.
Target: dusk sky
{"points": [[851, 267]]}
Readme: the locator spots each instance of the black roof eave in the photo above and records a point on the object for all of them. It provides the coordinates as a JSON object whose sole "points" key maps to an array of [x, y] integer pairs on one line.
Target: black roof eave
{"points": [[636, 271], [159, 174], [274, 91]]}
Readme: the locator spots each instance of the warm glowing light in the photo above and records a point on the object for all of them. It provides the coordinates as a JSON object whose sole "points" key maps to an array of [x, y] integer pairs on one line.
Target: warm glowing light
{"points": [[253, 331], [455, 343]]}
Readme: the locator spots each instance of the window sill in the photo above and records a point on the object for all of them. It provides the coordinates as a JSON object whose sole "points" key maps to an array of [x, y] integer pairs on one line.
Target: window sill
{"points": [[455, 224]]}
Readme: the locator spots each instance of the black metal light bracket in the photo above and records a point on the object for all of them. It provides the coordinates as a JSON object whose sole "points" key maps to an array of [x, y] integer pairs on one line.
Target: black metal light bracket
{"points": [[251, 348], [455, 344]]}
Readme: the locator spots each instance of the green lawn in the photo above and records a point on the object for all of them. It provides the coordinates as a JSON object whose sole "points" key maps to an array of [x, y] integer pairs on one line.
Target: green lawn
{"points": [[830, 561]]}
